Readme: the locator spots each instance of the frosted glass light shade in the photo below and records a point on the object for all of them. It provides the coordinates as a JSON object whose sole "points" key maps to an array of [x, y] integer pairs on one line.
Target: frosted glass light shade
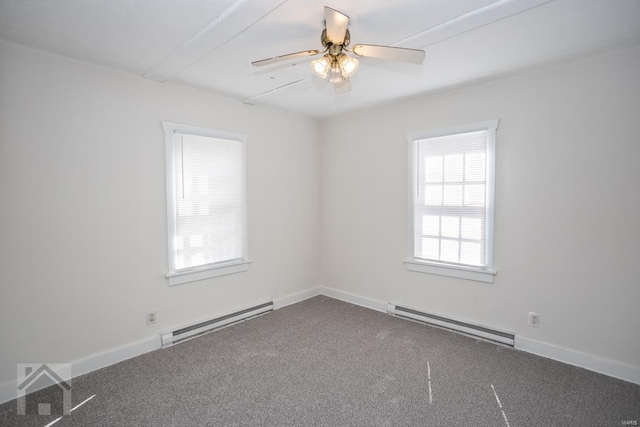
{"points": [[347, 65], [321, 66], [335, 75]]}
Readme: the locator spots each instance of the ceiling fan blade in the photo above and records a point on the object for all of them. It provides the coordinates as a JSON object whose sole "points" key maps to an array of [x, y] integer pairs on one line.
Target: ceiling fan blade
{"points": [[342, 87], [336, 23], [281, 58], [414, 56]]}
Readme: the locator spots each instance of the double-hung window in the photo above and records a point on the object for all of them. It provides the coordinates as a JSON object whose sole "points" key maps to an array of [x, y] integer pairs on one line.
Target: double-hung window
{"points": [[451, 201], [206, 202]]}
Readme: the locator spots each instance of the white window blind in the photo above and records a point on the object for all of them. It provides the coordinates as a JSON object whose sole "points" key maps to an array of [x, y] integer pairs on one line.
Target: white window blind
{"points": [[207, 192], [452, 200]]}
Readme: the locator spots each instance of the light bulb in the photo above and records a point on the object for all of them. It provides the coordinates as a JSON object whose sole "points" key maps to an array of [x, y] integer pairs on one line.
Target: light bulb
{"points": [[335, 75], [321, 66], [347, 65]]}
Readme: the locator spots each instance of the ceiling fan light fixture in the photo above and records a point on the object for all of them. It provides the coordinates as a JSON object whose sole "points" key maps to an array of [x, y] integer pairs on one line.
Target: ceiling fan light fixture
{"points": [[335, 74], [347, 64], [321, 66], [335, 65]]}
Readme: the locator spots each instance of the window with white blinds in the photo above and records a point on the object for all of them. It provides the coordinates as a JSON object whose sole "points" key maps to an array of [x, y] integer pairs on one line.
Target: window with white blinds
{"points": [[451, 201], [206, 194]]}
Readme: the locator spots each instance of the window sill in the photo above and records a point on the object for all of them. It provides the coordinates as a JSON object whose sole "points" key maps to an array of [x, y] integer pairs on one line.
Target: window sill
{"points": [[181, 277], [451, 271]]}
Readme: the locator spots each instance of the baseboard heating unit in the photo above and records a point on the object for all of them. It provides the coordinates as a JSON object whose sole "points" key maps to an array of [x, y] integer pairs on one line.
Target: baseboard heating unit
{"points": [[187, 332], [455, 325]]}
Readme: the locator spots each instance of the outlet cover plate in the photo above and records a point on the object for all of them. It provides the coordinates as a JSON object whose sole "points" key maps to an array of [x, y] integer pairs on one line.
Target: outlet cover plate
{"points": [[151, 317], [534, 319]]}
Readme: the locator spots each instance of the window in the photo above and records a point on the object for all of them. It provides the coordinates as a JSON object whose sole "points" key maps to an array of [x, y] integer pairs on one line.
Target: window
{"points": [[206, 203], [451, 201]]}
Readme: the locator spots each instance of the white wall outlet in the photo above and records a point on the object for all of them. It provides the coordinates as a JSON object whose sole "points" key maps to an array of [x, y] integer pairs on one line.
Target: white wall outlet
{"points": [[534, 319], [151, 317]]}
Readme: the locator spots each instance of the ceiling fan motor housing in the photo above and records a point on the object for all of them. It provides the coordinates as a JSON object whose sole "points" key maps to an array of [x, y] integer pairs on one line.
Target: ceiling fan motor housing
{"points": [[328, 43]]}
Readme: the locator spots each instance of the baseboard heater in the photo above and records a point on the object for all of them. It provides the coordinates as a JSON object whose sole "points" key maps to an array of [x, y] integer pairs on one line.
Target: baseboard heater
{"points": [[455, 325], [187, 332]]}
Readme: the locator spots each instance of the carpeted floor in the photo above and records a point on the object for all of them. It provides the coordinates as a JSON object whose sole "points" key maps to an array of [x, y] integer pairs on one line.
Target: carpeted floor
{"points": [[329, 363]]}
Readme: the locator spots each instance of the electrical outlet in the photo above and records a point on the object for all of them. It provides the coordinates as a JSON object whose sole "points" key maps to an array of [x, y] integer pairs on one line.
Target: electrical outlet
{"points": [[151, 317], [534, 319]]}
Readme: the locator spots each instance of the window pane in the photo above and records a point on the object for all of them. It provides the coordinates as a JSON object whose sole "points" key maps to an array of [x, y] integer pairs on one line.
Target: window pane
{"points": [[474, 195], [433, 195], [451, 226], [430, 248], [449, 250], [453, 168], [453, 203], [431, 225], [471, 253], [195, 240], [185, 208], [453, 195], [474, 169], [433, 169], [203, 209], [197, 259], [185, 185], [209, 200], [203, 184], [471, 228], [180, 262]]}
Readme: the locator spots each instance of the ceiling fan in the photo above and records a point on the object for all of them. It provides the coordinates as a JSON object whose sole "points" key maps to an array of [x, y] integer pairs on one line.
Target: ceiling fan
{"points": [[335, 64]]}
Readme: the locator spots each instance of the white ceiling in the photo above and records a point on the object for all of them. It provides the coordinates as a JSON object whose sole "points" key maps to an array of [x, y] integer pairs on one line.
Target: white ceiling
{"points": [[210, 44]]}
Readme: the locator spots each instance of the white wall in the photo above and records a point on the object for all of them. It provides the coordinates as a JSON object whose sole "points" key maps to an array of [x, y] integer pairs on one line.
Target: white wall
{"points": [[83, 216], [567, 230], [83, 227]]}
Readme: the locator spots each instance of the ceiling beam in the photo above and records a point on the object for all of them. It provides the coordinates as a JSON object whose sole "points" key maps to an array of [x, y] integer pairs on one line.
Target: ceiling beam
{"points": [[240, 16], [469, 21], [271, 94]]}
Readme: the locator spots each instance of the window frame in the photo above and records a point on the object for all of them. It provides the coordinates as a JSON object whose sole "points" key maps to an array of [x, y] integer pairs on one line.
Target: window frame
{"points": [[482, 274], [175, 276]]}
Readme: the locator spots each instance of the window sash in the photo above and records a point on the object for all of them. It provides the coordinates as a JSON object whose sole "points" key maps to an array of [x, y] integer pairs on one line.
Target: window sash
{"points": [[206, 199], [472, 251]]}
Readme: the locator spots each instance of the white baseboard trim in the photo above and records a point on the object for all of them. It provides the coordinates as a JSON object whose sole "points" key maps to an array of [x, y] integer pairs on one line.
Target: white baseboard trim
{"points": [[111, 357], [295, 298], [583, 360], [94, 362], [354, 299], [571, 357], [122, 353]]}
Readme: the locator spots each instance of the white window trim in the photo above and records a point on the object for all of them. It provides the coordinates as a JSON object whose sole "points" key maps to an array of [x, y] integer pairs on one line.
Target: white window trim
{"points": [[207, 272], [485, 274], [174, 276]]}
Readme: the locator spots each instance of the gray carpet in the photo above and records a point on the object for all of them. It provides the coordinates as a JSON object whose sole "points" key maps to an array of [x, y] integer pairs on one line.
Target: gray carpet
{"points": [[325, 362]]}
